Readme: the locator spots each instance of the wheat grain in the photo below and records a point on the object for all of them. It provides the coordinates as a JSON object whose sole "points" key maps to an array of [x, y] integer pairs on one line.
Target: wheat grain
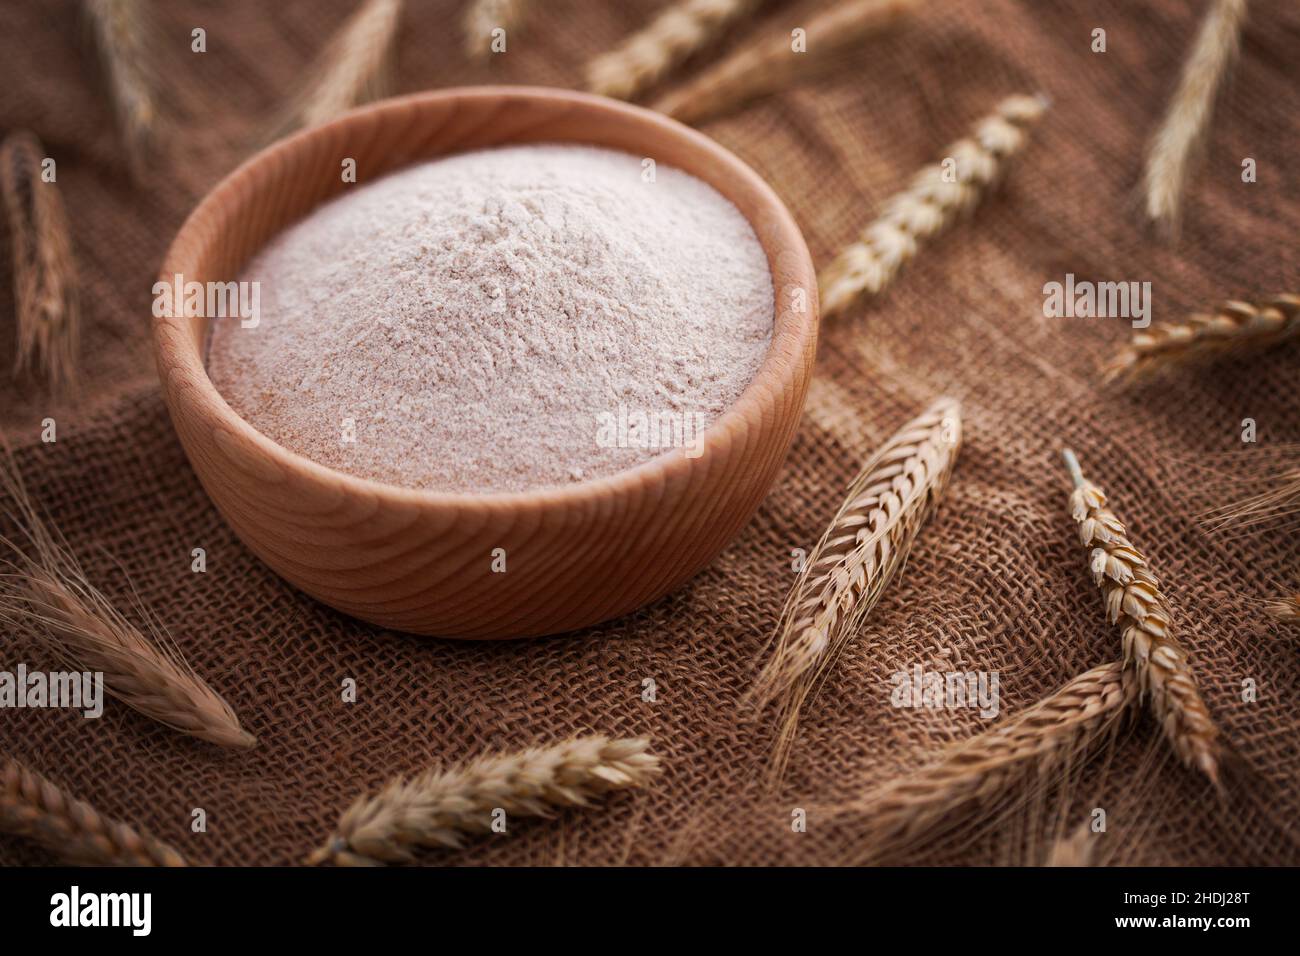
{"points": [[1043, 742], [354, 67], [484, 16], [1286, 609], [772, 63], [1232, 329], [127, 36], [1135, 603], [864, 547], [683, 29], [46, 302], [438, 807], [1187, 121], [45, 594], [34, 808], [933, 201]]}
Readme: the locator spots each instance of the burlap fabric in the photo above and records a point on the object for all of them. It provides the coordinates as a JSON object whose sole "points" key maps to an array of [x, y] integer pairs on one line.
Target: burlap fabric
{"points": [[996, 582]]}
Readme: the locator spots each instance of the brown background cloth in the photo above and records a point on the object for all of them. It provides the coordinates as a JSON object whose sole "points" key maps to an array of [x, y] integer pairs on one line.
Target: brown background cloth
{"points": [[996, 582]]}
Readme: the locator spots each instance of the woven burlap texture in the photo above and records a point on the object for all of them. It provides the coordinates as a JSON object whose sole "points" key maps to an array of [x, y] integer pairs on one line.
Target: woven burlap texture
{"points": [[996, 582]]}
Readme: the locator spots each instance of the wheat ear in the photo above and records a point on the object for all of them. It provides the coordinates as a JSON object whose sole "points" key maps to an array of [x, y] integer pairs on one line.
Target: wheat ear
{"points": [[771, 63], [1232, 329], [1135, 603], [354, 67], [1042, 742], [45, 282], [34, 808], [1078, 848], [45, 593], [937, 196], [438, 807], [1286, 609], [126, 35], [863, 548], [484, 16], [1170, 153], [683, 29]]}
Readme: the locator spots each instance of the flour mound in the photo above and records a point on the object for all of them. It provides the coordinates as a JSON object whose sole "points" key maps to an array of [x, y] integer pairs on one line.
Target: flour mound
{"points": [[476, 323]]}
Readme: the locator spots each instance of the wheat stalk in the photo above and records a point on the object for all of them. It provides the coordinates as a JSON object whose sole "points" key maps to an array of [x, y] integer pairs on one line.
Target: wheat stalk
{"points": [[772, 64], [484, 16], [683, 29], [1135, 603], [438, 807], [934, 200], [1187, 121], [1232, 329], [1079, 848], [45, 594], [1042, 742], [34, 808], [46, 302], [864, 547], [354, 67], [1286, 609], [127, 35]]}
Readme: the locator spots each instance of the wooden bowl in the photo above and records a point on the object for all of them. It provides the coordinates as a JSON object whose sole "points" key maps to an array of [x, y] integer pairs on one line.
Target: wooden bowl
{"points": [[421, 561]]}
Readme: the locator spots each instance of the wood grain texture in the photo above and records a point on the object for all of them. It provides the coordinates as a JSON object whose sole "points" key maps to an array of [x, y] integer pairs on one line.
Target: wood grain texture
{"points": [[420, 561]]}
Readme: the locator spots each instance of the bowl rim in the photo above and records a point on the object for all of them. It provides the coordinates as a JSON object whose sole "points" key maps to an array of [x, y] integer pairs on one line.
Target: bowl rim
{"points": [[782, 364]]}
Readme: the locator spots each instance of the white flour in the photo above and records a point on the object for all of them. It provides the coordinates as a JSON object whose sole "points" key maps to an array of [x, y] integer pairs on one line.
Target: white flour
{"points": [[483, 322]]}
